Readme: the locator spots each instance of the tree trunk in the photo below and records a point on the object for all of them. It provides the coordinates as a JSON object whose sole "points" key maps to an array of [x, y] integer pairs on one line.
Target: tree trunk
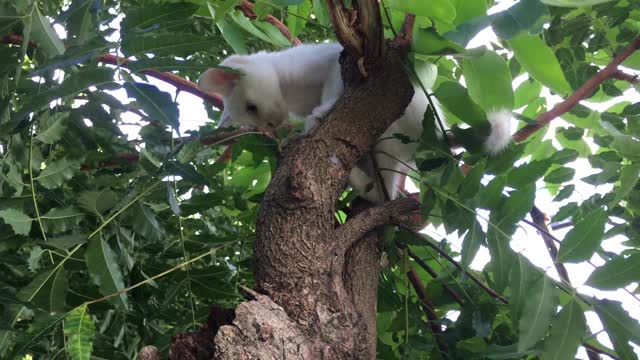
{"points": [[320, 282]]}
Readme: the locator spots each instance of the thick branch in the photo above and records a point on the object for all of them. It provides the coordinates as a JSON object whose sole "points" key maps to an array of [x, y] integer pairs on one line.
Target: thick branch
{"points": [[359, 29], [585, 90], [427, 307], [372, 218]]}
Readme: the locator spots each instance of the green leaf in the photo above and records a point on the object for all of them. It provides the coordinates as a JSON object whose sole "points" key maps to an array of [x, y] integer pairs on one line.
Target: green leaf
{"points": [[629, 175], [574, 3], [489, 81], [181, 45], [528, 91], [616, 273], [457, 100], [79, 329], [564, 193], [283, 3], [624, 144], [158, 105], [144, 222], [523, 274], [471, 244], [149, 17], [105, 272], [441, 10], [167, 64], [560, 175], [620, 327], [80, 23], [296, 17], [248, 26], [321, 12], [72, 85], [583, 240], [47, 291], [526, 16], [44, 35], [59, 220], [471, 183], [233, 36], [539, 308], [55, 128], [567, 329], [18, 220], [429, 42], [501, 254], [57, 173], [98, 202], [540, 62], [517, 205]]}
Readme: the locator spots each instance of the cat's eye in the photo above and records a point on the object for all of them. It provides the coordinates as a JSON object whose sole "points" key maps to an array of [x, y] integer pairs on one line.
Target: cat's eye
{"points": [[252, 108]]}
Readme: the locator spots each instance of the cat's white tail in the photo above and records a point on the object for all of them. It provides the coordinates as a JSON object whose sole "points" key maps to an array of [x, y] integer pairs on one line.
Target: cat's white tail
{"points": [[500, 135]]}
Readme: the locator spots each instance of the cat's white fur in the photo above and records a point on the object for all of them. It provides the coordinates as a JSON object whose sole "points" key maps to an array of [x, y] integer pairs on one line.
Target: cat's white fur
{"points": [[305, 81]]}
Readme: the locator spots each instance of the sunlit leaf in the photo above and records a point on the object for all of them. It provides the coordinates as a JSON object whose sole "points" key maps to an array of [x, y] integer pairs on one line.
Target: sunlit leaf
{"points": [[79, 329]]}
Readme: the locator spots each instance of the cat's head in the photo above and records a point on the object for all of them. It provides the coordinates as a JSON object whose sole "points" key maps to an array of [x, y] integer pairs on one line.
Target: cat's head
{"points": [[252, 95]]}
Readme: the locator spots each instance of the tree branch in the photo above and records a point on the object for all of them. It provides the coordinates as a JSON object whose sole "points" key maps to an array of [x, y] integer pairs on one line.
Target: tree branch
{"points": [[371, 218], [444, 254], [539, 219], [427, 307], [585, 90], [432, 273], [170, 78], [621, 75], [247, 9]]}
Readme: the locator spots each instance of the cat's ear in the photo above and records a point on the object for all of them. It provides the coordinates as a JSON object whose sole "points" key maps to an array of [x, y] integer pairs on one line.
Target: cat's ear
{"points": [[218, 81]]}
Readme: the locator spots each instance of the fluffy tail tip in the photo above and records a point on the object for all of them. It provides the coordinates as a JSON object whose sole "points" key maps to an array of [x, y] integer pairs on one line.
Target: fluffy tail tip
{"points": [[500, 135]]}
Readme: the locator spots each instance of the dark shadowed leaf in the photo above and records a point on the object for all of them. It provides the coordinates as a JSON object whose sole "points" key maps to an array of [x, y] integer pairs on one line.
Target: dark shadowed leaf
{"points": [[567, 329], [105, 272], [616, 273], [584, 238], [620, 327], [539, 308]]}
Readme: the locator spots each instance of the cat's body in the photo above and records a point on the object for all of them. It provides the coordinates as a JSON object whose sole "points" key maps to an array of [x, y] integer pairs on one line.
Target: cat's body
{"points": [[305, 81]]}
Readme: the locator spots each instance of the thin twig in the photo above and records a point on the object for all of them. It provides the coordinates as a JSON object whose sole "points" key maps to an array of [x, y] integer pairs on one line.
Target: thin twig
{"points": [[539, 219], [247, 9], [434, 275], [444, 254], [621, 75], [585, 90]]}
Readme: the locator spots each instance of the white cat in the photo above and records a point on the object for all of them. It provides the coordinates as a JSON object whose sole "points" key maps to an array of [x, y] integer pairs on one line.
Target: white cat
{"points": [[305, 81]]}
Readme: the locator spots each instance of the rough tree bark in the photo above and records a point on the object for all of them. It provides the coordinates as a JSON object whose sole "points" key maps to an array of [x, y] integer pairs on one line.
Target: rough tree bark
{"points": [[317, 283]]}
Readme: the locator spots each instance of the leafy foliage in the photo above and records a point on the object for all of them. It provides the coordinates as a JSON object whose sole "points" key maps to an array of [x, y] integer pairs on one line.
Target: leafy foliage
{"points": [[91, 210]]}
